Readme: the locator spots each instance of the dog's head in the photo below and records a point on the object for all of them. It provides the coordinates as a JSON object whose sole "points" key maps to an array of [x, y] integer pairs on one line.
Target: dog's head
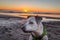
{"points": [[32, 24]]}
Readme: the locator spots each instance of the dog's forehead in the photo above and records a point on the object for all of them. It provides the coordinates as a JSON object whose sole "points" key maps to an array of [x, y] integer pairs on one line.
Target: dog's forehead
{"points": [[34, 19]]}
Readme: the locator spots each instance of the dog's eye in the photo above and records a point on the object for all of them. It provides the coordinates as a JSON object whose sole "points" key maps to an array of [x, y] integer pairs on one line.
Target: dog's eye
{"points": [[30, 22]]}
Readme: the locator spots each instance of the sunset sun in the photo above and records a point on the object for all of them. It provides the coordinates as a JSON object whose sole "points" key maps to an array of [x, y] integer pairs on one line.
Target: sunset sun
{"points": [[25, 10]]}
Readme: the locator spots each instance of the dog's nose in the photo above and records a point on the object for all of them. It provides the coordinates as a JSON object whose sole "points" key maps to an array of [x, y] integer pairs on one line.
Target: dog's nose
{"points": [[23, 28]]}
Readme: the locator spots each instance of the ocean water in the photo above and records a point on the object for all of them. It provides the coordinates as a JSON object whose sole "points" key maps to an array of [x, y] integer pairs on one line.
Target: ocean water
{"points": [[46, 19], [25, 15]]}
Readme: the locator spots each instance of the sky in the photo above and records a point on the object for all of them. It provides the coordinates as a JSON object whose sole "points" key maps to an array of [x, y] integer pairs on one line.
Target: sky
{"points": [[31, 5]]}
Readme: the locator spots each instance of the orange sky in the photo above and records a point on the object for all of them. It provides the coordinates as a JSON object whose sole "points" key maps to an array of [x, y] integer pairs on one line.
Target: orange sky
{"points": [[29, 9]]}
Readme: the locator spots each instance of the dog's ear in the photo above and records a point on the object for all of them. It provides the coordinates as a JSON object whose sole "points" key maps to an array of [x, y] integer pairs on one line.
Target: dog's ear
{"points": [[28, 16], [38, 19]]}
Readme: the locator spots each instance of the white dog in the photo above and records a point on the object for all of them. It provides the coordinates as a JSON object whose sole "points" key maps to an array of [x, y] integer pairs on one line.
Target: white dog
{"points": [[35, 26]]}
